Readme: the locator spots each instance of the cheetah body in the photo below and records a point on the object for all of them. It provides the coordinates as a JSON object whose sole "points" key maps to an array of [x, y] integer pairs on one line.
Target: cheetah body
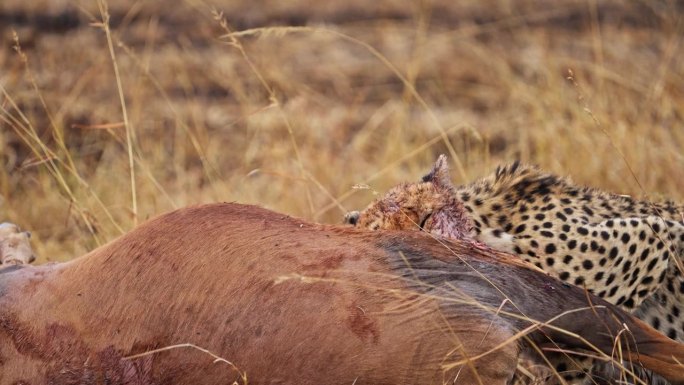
{"points": [[621, 249]]}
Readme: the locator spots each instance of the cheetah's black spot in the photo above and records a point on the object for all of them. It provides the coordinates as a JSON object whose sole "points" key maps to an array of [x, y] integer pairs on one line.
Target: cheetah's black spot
{"points": [[613, 252]]}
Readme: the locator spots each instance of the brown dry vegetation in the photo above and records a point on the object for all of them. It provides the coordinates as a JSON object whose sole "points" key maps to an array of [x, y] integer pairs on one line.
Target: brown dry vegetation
{"points": [[367, 93]]}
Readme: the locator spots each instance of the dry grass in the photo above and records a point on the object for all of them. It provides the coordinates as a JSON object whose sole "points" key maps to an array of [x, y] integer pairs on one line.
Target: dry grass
{"points": [[368, 93]]}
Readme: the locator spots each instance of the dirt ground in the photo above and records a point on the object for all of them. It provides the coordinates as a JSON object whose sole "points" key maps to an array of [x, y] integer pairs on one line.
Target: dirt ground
{"points": [[310, 109]]}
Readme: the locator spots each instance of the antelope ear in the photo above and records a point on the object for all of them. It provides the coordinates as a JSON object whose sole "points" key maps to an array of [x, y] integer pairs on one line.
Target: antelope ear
{"points": [[439, 175]]}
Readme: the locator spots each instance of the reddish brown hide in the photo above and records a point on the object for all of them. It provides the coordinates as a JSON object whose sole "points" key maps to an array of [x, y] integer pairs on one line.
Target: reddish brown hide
{"points": [[288, 302]]}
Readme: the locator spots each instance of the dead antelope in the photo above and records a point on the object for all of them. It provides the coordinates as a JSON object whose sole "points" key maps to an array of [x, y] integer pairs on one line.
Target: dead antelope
{"points": [[285, 301]]}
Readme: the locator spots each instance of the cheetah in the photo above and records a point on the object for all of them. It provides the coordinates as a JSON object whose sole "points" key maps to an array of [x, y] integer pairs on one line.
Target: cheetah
{"points": [[623, 250], [15, 248]]}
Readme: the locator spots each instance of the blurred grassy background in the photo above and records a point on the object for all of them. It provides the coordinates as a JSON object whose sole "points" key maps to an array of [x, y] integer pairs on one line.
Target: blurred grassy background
{"points": [[367, 92]]}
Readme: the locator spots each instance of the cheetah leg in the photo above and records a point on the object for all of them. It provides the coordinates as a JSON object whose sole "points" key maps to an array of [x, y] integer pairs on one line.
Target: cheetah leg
{"points": [[497, 239], [664, 309]]}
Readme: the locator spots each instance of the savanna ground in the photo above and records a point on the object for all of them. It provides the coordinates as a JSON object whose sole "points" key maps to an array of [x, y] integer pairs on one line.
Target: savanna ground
{"points": [[183, 102]]}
